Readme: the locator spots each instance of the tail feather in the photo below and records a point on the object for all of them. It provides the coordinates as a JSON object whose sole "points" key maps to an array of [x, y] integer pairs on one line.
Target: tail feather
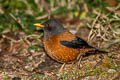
{"points": [[96, 51]]}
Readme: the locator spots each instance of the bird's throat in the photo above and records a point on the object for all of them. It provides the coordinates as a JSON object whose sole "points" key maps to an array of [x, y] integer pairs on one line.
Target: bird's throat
{"points": [[48, 34]]}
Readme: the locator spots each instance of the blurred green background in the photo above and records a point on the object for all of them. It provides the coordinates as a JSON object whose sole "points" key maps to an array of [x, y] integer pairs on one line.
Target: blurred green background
{"points": [[96, 21], [16, 15]]}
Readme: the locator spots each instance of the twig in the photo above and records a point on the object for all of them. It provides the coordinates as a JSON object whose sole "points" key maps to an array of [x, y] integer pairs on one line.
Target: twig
{"points": [[16, 20], [9, 38], [46, 7]]}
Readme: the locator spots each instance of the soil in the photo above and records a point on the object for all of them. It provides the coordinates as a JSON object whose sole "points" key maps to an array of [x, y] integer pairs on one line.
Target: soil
{"points": [[22, 57]]}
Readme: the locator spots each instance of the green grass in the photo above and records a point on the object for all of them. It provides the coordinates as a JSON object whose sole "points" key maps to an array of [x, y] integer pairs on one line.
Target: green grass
{"points": [[102, 20]]}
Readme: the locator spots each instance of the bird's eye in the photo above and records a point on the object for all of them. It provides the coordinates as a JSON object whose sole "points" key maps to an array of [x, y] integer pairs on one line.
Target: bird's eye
{"points": [[47, 25]]}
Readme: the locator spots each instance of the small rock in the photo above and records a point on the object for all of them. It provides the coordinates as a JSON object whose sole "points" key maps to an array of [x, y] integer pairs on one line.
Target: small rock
{"points": [[89, 78], [12, 76], [32, 51], [26, 67], [111, 70], [73, 31]]}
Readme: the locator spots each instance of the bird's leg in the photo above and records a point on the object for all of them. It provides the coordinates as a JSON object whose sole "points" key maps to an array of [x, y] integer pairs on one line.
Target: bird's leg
{"points": [[62, 67], [79, 62], [71, 65], [79, 58]]}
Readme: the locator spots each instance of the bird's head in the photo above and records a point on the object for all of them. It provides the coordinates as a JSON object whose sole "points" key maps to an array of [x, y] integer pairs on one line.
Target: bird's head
{"points": [[51, 27]]}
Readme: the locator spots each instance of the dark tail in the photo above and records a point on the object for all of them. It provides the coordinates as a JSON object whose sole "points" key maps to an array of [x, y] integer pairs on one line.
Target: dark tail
{"points": [[96, 51]]}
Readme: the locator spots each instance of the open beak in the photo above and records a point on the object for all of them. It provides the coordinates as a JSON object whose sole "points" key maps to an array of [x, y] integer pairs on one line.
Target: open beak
{"points": [[38, 25]]}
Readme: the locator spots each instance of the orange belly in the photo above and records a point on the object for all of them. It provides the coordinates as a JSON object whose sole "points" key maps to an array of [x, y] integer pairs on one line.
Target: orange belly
{"points": [[59, 52]]}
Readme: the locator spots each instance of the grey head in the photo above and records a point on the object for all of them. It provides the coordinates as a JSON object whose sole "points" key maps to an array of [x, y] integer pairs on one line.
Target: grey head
{"points": [[52, 27]]}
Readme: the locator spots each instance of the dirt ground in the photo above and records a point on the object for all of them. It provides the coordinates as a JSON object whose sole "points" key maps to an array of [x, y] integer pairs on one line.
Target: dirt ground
{"points": [[22, 57]]}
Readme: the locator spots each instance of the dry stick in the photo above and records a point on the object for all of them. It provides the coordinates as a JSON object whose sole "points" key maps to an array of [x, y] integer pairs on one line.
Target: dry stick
{"points": [[14, 18], [108, 21], [86, 8], [42, 17], [26, 41], [116, 19], [90, 33], [79, 62], [105, 33], [17, 21], [46, 7], [33, 35], [62, 67], [9, 38], [93, 24]]}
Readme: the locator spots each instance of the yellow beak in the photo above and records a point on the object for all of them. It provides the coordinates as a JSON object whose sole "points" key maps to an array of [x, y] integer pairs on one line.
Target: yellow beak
{"points": [[38, 25]]}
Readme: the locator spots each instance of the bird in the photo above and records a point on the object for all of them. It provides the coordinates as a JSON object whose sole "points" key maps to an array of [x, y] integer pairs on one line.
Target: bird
{"points": [[63, 46]]}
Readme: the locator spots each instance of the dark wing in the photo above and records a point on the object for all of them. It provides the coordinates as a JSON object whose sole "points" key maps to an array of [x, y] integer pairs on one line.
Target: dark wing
{"points": [[82, 44], [78, 43]]}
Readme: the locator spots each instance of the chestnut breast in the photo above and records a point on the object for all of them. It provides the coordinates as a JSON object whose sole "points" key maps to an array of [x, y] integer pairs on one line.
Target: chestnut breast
{"points": [[59, 52]]}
